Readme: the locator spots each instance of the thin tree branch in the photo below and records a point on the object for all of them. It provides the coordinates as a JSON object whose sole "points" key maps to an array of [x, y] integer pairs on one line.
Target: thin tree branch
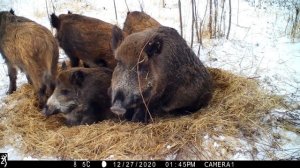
{"points": [[180, 17], [116, 11], [229, 26]]}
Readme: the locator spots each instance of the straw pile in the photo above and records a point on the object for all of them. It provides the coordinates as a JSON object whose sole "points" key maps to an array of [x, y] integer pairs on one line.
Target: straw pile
{"points": [[236, 108]]}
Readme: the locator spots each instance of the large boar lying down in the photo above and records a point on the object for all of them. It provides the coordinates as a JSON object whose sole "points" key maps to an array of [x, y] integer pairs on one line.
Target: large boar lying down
{"points": [[32, 48], [81, 95], [84, 38], [157, 69]]}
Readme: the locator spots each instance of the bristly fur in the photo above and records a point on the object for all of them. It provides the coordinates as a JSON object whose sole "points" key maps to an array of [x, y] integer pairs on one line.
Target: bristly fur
{"points": [[138, 21], [158, 67], [81, 95], [32, 48], [85, 38]]}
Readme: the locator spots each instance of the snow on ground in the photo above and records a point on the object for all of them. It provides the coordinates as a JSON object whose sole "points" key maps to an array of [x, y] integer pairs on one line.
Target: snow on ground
{"points": [[257, 48]]}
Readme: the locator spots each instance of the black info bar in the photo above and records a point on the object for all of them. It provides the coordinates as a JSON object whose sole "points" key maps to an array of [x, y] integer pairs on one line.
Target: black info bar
{"points": [[149, 163]]}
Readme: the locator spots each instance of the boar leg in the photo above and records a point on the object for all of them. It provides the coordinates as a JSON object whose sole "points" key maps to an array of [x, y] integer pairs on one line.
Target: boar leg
{"points": [[140, 115], [12, 73], [89, 119], [86, 65], [76, 116], [42, 96], [28, 79], [128, 115], [74, 61]]}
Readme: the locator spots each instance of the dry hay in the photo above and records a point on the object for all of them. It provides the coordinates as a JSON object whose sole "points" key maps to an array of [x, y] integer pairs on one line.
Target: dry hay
{"points": [[237, 107]]}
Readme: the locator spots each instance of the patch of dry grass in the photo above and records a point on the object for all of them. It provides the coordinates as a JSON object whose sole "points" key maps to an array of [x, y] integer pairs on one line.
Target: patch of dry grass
{"points": [[237, 107]]}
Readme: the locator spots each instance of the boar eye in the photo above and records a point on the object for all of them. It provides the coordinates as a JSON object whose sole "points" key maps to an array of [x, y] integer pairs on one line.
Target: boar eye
{"points": [[64, 92]]}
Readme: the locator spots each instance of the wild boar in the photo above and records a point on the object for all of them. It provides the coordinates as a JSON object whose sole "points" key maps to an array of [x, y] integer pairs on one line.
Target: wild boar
{"points": [[31, 47], [157, 72], [84, 38], [81, 95], [138, 21]]}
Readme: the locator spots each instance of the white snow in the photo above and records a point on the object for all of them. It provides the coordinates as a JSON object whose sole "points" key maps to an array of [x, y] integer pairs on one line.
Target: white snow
{"points": [[171, 156], [290, 144], [13, 153], [110, 157], [258, 47]]}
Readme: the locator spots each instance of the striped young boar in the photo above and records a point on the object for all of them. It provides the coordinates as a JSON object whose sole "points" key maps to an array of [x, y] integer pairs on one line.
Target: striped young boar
{"points": [[81, 95], [31, 47], [156, 69], [138, 21], [84, 38]]}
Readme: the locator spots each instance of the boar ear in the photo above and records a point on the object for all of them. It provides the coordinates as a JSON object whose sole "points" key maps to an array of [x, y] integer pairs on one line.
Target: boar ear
{"points": [[69, 12], [154, 46], [77, 78], [12, 11], [117, 37]]}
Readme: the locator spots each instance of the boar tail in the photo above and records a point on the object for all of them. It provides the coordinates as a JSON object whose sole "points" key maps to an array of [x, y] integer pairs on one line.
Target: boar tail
{"points": [[12, 11], [54, 20]]}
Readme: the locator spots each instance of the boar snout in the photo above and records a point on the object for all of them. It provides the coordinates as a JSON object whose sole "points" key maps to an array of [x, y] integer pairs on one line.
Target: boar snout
{"points": [[47, 111], [117, 108]]}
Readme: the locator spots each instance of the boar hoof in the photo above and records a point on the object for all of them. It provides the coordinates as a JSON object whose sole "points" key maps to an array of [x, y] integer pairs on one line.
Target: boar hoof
{"points": [[11, 90]]}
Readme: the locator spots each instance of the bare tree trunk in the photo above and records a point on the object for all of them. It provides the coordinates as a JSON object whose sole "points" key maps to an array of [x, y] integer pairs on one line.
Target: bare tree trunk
{"points": [[48, 15], [201, 29], [210, 19], [202, 25], [141, 6], [287, 23], [193, 20], [216, 17], [127, 6], [224, 21], [116, 11], [222, 17], [196, 22], [238, 11], [53, 7], [294, 28], [163, 4], [180, 17], [47, 10], [229, 20]]}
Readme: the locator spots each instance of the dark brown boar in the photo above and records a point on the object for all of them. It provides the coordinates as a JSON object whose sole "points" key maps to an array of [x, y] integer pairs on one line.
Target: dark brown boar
{"points": [[156, 69], [84, 38], [32, 48], [81, 95], [138, 21]]}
